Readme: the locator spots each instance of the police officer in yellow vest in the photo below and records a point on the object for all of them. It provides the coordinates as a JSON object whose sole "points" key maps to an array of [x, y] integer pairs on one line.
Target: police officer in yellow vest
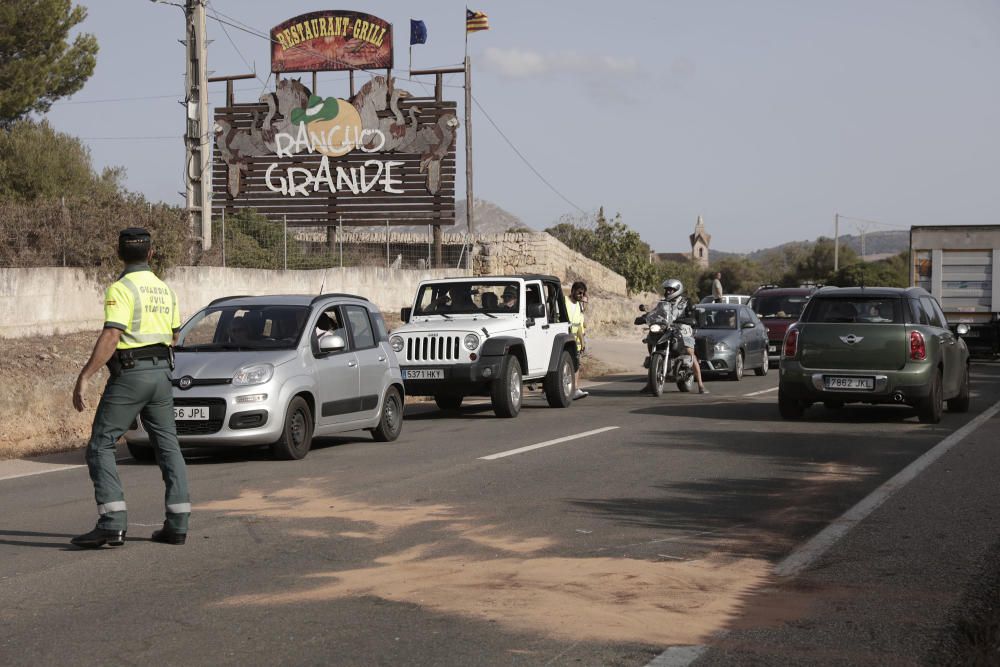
{"points": [[575, 306], [140, 324]]}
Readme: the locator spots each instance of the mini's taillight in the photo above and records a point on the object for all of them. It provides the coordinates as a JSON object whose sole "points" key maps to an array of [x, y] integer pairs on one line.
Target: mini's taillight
{"points": [[791, 343], [918, 349]]}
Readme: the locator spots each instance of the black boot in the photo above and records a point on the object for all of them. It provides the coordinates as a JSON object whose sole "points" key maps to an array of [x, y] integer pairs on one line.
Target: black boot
{"points": [[168, 535], [98, 537]]}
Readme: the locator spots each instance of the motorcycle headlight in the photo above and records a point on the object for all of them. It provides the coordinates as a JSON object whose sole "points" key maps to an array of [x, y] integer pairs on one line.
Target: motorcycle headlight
{"points": [[656, 328], [396, 343], [253, 374], [721, 346], [471, 341]]}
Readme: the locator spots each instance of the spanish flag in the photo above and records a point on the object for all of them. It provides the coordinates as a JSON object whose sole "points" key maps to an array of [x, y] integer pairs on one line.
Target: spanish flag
{"points": [[475, 21]]}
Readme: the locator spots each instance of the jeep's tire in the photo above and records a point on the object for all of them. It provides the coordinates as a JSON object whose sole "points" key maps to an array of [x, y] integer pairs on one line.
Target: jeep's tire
{"points": [[506, 390], [790, 408], [931, 407], [961, 402], [296, 435], [449, 402], [141, 453], [390, 423], [560, 384]]}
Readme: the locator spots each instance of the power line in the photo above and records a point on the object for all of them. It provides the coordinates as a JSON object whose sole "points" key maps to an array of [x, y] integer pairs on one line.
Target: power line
{"points": [[872, 222], [524, 159]]}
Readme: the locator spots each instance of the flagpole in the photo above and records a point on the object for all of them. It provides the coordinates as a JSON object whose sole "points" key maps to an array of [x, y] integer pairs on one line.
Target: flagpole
{"points": [[467, 31]]}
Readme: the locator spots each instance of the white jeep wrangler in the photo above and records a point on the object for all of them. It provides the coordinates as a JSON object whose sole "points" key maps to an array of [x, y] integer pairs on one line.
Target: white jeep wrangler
{"points": [[487, 337]]}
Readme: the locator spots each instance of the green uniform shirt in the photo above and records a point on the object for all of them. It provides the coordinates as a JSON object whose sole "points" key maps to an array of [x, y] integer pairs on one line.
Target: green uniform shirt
{"points": [[142, 307]]}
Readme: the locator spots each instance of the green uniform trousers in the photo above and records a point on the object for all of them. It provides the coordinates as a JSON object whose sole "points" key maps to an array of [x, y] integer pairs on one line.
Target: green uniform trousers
{"points": [[145, 391]]}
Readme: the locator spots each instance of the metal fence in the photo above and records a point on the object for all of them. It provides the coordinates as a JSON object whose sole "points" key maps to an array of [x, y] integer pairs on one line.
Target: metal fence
{"points": [[253, 243], [84, 233]]}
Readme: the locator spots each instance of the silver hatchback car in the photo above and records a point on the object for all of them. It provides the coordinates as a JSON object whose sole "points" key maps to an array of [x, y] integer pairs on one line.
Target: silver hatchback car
{"points": [[278, 370]]}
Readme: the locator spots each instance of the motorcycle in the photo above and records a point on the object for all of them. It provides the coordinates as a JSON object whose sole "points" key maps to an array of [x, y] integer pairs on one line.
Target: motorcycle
{"points": [[667, 361]]}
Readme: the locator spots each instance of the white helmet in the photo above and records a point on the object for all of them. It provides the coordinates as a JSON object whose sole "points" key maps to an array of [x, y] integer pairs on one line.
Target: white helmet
{"points": [[672, 288]]}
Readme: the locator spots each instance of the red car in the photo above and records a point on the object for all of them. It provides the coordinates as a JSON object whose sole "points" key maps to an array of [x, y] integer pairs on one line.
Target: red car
{"points": [[778, 308]]}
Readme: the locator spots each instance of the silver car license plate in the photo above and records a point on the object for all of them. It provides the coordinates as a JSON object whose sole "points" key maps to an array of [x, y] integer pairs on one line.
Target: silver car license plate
{"points": [[191, 413], [836, 383], [423, 374]]}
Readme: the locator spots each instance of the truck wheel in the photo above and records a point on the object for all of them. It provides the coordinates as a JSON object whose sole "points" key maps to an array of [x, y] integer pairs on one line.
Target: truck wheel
{"points": [[958, 404], [506, 390], [448, 401], [789, 407], [930, 408], [296, 436], [141, 453], [390, 423], [560, 384]]}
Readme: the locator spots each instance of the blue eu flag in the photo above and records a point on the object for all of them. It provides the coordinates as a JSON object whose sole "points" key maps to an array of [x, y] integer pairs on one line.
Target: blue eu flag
{"points": [[418, 32]]}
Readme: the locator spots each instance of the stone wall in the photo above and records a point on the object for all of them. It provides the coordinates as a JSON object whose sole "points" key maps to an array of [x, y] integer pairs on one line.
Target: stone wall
{"points": [[542, 253], [48, 301]]}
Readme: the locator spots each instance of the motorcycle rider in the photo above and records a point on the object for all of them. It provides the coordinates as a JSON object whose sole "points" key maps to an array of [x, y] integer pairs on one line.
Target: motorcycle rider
{"points": [[672, 306]]}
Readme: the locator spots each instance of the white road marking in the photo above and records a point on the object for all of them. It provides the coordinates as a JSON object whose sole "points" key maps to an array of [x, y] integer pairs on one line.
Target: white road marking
{"points": [[762, 391], [808, 553], [678, 656], [21, 468], [547, 443]]}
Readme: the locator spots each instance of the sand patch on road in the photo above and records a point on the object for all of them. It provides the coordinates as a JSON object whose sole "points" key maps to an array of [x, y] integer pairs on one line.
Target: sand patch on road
{"points": [[517, 583], [597, 599]]}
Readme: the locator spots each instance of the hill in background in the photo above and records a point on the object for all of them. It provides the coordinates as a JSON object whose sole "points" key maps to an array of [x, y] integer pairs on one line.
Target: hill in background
{"points": [[878, 244], [490, 219]]}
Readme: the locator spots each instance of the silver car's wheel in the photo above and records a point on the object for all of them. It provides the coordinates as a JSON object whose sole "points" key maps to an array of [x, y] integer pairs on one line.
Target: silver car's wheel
{"points": [[296, 436], [764, 366]]}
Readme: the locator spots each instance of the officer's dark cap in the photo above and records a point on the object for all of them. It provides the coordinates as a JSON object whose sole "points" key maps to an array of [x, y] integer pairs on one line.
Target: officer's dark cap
{"points": [[133, 242]]}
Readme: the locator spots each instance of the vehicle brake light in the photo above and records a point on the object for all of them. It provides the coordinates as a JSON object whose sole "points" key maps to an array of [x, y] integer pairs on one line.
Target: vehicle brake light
{"points": [[791, 343], [918, 349]]}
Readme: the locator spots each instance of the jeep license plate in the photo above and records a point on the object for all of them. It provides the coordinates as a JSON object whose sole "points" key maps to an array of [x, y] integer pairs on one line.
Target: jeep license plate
{"points": [[423, 374], [849, 383], [190, 413]]}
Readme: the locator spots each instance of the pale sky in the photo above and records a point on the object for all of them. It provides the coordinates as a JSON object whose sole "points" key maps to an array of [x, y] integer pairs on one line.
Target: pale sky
{"points": [[765, 117]]}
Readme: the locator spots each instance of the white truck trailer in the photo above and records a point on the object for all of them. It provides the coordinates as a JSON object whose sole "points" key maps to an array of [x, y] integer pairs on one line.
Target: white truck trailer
{"points": [[960, 266]]}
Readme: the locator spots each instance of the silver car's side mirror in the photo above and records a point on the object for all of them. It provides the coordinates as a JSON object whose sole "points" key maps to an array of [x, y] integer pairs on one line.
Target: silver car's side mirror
{"points": [[962, 329], [749, 325], [332, 344]]}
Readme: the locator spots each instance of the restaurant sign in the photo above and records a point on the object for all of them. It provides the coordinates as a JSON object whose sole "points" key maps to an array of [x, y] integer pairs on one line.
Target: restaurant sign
{"points": [[331, 40]]}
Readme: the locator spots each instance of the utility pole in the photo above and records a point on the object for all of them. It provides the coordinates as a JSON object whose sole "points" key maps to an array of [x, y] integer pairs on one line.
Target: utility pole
{"points": [[198, 133], [468, 145], [836, 241]]}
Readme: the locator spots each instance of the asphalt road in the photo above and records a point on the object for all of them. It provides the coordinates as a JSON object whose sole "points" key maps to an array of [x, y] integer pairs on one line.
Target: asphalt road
{"points": [[659, 528]]}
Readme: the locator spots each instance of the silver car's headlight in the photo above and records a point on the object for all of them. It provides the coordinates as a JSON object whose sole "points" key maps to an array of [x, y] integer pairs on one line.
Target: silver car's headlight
{"points": [[471, 341], [396, 343], [721, 346], [656, 328], [253, 374]]}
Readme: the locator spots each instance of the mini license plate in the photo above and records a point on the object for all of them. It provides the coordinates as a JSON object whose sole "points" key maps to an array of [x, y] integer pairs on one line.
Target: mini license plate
{"points": [[190, 413], [849, 383], [772, 349], [423, 374]]}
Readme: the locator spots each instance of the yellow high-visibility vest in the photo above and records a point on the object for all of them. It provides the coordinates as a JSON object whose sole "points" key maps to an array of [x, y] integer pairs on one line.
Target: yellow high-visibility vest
{"points": [[576, 325], [143, 307]]}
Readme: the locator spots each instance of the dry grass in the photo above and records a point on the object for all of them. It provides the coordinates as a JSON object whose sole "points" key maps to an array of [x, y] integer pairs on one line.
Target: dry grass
{"points": [[36, 409]]}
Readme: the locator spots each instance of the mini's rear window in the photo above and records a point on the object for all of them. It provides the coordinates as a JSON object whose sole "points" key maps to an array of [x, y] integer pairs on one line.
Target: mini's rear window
{"points": [[855, 310]]}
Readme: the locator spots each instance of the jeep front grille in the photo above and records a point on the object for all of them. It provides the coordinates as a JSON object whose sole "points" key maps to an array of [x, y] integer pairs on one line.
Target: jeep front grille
{"points": [[433, 348]]}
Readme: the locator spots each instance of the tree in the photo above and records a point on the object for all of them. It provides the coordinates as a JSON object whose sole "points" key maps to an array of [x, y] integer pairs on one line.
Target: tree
{"points": [[817, 266], [613, 244], [37, 63], [890, 272], [37, 162]]}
